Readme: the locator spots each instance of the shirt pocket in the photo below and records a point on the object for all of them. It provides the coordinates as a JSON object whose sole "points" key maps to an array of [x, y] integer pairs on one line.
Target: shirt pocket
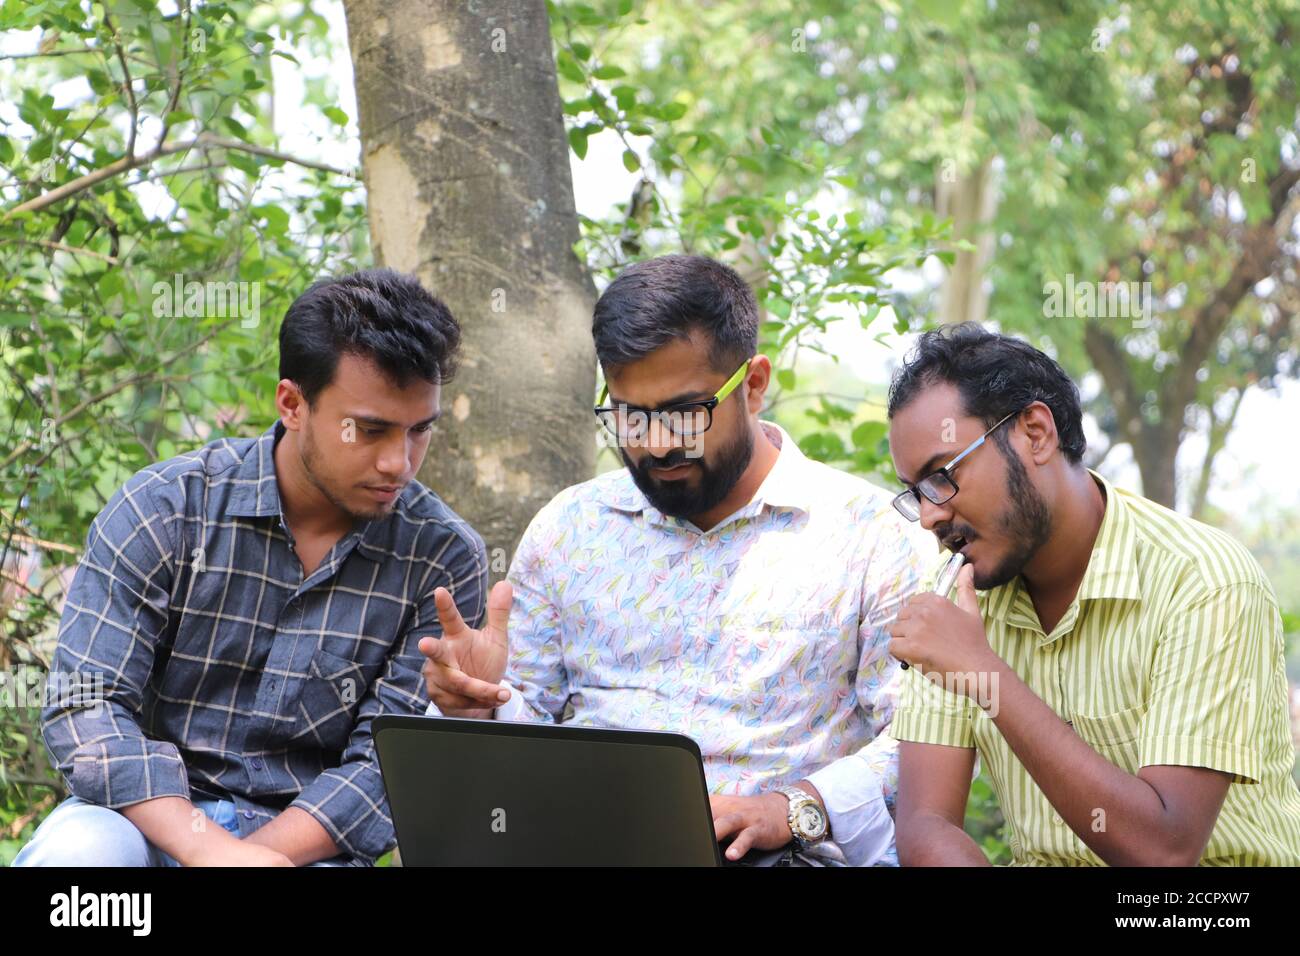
{"points": [[1114, 736], [330, 694]]}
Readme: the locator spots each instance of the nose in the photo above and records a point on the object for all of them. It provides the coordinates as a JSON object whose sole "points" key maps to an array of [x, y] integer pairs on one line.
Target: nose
{"points": [[394, 458], [932, 514], [660, 439]]}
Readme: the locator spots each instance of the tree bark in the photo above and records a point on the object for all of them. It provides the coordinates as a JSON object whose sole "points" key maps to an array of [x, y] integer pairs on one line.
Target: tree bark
{"points": [[971, 199], [466, 167]]}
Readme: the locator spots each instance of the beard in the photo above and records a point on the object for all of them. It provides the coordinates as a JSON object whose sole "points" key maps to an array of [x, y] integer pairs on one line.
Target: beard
{"points": [[1027, 524], [684, 498], [310, 461]]}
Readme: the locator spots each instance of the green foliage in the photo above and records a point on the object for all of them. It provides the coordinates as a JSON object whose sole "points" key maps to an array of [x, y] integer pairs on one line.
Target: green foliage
{"points": [[105, 368], [985, 823], [735, 168]]}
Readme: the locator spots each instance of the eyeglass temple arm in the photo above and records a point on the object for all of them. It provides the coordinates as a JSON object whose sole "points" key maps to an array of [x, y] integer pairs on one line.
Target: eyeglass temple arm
{"points": [[981, 441]]}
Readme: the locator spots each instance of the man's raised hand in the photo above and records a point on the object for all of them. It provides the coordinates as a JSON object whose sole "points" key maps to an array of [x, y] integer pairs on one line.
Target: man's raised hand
{"points": [[464, 667]]}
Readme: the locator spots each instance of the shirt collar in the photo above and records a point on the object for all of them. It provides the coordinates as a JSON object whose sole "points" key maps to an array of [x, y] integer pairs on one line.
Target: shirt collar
{"points": [[1111, 573], [787, 485], [1112, 569], [255, 492]]}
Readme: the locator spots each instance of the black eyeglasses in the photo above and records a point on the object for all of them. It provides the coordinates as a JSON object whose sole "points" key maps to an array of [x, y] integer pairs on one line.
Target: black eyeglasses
{"points": [[628, 423], [938, 486]]}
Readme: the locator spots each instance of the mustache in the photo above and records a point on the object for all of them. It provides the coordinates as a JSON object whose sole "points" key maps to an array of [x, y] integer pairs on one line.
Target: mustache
{"points": [[668, 461], [947, 532]]}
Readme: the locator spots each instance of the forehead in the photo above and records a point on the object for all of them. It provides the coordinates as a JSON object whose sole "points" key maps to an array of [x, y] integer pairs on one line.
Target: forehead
{"points": [[681, 367], [362, 386], [932, 425]]}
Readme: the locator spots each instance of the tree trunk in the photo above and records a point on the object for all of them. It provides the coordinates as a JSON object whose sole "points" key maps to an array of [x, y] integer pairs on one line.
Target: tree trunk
{"points": [[1156, 452], [467, 173], [1220, 428], [971, 200]]}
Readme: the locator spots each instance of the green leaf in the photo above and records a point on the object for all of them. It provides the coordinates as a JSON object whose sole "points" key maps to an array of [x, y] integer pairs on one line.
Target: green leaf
{"points": [[608, 72], [785, 378], [568, 67], [578, 140], [277, 220], [336, 115], [631, 162], [235, 127], [869, 434]]}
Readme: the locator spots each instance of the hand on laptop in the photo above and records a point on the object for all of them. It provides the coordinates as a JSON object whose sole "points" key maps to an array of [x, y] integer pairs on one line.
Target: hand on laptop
{"points": [[464, 667], [757, 823]]}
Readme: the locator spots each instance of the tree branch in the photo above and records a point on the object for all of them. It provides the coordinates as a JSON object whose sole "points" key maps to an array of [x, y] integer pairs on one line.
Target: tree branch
{"points": [[127, 163], [1260, 246], [60, 247], [1111, 363]]}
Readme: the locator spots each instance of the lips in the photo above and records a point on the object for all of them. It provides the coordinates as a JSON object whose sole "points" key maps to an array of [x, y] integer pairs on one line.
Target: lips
{"points": [[957, 543], [677, 471]]}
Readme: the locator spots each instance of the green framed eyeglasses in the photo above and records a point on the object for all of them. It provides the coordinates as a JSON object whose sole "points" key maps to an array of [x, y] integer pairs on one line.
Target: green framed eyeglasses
{"points": [[627, 422]]}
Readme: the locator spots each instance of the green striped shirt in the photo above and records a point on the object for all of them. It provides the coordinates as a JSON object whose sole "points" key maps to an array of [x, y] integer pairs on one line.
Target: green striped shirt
{"points": [[1171, 653]]}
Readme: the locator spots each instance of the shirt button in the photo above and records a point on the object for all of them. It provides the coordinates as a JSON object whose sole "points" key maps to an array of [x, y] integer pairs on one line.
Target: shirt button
{"points": [[249, 814], [1056, 818], [257, 765]]}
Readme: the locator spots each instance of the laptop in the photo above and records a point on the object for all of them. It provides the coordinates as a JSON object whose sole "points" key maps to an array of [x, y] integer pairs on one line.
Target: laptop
{"points": [[500, 793]]}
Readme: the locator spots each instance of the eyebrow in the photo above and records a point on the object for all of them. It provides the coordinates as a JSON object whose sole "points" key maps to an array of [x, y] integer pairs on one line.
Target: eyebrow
{"points": [[681, 399], [927, 468], [384, 423]]}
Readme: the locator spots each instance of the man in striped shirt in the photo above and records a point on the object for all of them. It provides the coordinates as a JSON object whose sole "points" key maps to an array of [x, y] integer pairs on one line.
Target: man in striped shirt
{"points": [[1122, 672]]}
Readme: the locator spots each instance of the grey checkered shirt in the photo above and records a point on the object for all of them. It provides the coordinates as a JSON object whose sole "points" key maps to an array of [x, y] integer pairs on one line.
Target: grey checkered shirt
{"points": [[226, 675]]}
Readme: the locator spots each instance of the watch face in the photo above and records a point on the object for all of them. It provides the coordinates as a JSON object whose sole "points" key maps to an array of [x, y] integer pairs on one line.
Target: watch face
{"points": [[811, 822]]}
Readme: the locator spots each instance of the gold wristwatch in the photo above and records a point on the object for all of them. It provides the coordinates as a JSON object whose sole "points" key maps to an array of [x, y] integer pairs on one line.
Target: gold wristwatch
{"points": [[807, 819]]}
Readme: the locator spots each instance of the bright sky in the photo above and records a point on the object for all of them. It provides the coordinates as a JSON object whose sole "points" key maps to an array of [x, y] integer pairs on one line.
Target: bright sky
{"points": [[1255, 472]]}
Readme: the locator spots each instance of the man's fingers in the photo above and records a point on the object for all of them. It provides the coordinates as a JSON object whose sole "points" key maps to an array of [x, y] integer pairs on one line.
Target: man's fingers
{"points": [[450, 703], [436, 651], [899, 650], [449, 680], [498, 610], [967, 600], [740, 846], [727, 824], [453, 625]]}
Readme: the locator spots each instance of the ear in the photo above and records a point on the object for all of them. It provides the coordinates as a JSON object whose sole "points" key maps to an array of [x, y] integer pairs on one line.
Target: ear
{"points": [[756, 382], [290, 403], [1039, 428]]}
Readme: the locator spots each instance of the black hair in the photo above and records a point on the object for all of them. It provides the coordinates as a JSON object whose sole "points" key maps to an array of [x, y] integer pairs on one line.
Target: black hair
{"points": [[377, 314], [657, 300], [995, 375]]}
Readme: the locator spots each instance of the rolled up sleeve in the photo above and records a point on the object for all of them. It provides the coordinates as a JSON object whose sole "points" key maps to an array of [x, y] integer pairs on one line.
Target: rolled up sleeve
{"points": [[114, 616]]}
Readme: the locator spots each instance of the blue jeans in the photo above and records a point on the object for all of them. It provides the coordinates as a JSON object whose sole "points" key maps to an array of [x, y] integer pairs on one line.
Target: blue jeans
{"points": [[79, 833]]}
